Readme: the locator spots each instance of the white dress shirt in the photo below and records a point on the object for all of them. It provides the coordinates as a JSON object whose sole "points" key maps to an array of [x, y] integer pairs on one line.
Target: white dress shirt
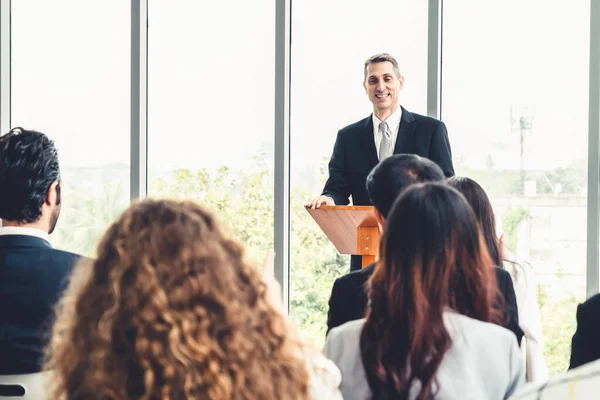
{"points": [[393, 122], [21, 230]]}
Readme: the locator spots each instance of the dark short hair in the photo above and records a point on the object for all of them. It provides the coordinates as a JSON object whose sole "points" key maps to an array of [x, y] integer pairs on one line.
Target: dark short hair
{"points": [[28, 167], [383, 57], [394, 174]]}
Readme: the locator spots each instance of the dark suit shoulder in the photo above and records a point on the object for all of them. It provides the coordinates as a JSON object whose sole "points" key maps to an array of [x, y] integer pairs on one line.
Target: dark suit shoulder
{"points": [[424, 119], [348, 299], [588, 313], [67, 255], [355, 127], [592, 304], [356, 278], [41, 265], [59, 259], [33, 276], [584, 346]]}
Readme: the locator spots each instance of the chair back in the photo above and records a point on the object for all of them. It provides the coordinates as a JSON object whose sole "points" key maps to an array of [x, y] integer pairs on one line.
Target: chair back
{"points": [[23, 387], [581, 383]]}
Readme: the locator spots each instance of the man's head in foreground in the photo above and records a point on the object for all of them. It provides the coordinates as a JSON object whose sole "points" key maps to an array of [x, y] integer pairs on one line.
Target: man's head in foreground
{"points": [[29, 180], [393, 175]]}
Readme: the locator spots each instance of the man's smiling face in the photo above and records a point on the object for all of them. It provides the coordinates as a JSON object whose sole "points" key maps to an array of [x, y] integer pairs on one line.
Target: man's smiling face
{"points": [[383, 86]]}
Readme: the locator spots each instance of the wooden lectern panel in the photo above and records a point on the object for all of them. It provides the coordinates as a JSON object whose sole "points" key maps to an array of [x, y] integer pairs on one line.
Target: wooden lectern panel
{"points": [[351, 229], [368, 244]]}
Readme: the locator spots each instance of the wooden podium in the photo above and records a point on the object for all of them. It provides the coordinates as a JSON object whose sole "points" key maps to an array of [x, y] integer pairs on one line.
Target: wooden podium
{"points": [[351, 229]]}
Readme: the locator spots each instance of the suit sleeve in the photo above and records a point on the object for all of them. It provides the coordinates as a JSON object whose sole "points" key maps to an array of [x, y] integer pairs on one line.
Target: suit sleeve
{"points": [[584, 347], [335, 315], [512, 309], [439, 150], [338, 185]]}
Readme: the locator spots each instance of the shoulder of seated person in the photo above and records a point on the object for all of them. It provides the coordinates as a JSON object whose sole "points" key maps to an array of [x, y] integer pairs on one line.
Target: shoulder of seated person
{"points": [[342, 342], [361, 274], [472, 327], [68, 258], [592, 303], [347, 328], [69, 254]]}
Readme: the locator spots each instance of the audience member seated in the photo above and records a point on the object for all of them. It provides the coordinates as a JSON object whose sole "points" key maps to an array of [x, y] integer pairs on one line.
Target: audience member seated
{"points": [[522, 275], [386, 181], [170, 310], [348, 299], [585, 346], [431, 330], [581, 383], [32, 273]]}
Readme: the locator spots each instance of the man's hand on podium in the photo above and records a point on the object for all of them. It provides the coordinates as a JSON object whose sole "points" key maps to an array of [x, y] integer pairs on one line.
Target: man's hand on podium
{"points": [[319, 201]]}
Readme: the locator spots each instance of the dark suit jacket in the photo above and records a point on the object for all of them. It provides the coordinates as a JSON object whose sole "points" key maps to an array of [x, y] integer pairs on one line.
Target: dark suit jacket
{"points": [[355, 155], [32, 278], [585, 346], [349, 299]]}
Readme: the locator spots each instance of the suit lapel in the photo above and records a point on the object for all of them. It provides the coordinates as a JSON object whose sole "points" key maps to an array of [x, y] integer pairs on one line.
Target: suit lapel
{"points": [[368, 141], [406, 132]]}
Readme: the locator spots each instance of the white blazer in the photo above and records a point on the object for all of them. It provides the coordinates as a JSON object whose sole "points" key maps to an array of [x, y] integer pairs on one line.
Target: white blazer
{"points": [[484, 361], [530, 319]]}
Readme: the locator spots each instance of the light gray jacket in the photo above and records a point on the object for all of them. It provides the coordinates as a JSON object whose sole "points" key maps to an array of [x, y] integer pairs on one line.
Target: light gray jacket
{"points": [[483, 363]]}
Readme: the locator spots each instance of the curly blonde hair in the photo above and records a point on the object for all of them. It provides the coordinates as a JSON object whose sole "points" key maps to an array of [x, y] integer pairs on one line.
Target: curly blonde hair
{"points": [[169, 310]]}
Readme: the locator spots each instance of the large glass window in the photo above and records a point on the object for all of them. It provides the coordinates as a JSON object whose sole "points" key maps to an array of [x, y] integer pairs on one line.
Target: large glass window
{"points": [[515, 100], [70, 80], [210, 110], [330, 42]]}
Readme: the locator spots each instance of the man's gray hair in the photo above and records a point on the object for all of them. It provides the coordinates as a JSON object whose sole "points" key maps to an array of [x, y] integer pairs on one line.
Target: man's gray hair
{"points": [[383, 57]]}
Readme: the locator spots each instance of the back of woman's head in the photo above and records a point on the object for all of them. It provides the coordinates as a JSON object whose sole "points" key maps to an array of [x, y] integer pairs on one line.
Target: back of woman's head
{"points": [[432, 259], [482, 207], [169, 310]]}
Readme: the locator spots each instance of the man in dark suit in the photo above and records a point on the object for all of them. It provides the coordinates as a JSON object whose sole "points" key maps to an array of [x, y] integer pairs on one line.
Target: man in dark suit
{"points": [[585, 346], [388, 179], [390, 129], [32, 273]]}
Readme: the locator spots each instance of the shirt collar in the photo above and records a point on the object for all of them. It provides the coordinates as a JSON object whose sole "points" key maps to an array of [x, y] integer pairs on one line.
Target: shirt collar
{"points": [[21, 230], [393, 120]]}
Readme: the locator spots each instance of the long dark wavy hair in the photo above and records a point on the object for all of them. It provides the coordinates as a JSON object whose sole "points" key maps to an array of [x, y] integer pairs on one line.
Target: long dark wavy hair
{"points": [[482, 207], [433, 258], [170, 310]]}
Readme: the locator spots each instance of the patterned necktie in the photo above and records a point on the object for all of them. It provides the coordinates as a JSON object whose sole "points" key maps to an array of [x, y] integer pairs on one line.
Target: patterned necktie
{"points": [[386, 148]]}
